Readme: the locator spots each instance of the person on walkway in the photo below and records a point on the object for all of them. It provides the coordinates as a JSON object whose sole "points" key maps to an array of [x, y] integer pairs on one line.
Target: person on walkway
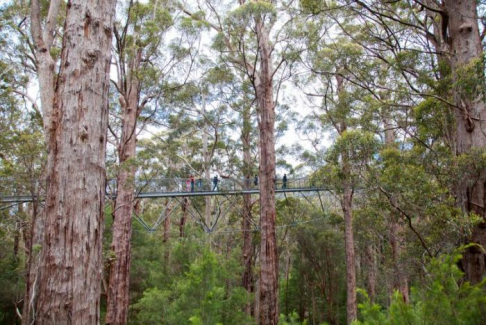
{"points": [[192, 183], [215, 183], [199, 184], [247, 182], [255, 182], [284, 181], [188, 184]]}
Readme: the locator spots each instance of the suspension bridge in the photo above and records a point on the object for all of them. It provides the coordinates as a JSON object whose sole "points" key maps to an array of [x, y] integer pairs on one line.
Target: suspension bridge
{"points": [[179, 191], [183, 187]]}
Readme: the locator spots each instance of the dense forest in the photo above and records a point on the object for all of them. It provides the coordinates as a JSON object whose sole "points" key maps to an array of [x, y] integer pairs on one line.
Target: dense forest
{"points": [[242, 162]]}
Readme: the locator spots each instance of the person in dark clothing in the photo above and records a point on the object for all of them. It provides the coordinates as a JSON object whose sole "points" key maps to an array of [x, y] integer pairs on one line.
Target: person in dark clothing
{"points": [[215, 182], [199, 184], [284, 181], [255, 182], [192, 184]]}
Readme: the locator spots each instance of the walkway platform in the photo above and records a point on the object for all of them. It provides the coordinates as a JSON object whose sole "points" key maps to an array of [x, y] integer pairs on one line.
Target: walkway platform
{"points": [[153, 195]]}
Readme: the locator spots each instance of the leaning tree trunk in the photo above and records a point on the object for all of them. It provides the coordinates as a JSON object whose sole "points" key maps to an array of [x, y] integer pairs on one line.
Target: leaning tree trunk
{"points": [[118, 290], [33, 237], [45, 65], [466, 48], [69, 273], [268, 248]]}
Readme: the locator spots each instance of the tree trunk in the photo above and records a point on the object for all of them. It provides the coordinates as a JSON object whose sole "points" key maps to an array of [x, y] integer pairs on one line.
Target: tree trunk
{"points": [[268, 250], [166, 237], [247, 251], [372, 271], [69, 273], [207, 160], [395, 229], [33, 238], [18, 229], [118, 291], [400, 281], [182, 224], [351, 307], [466, 47], [347, 206]]}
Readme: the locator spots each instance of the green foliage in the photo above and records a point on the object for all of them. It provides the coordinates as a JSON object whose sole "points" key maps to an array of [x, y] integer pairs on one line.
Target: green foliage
{"points": [[254, 10], [469, 79], [358, 145], [314, 7], [433, 119], [204, 294], [444, 299], [292, 319]]}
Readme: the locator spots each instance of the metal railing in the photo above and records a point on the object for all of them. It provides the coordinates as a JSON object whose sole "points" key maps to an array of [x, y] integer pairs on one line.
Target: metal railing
{"points": [[185, 185], [199, 186]]}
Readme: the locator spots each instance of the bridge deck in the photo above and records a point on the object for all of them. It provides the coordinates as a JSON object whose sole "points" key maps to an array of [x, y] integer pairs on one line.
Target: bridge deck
{"points": [[148, 195]]}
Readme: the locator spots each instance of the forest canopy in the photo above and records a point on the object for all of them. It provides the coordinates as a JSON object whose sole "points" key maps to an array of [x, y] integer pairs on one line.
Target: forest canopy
{"points": [[242, 162]]}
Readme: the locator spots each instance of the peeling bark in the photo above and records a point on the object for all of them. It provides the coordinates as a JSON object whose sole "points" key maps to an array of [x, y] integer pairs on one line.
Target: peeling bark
{"points": [[69, 272], [268, 249]]}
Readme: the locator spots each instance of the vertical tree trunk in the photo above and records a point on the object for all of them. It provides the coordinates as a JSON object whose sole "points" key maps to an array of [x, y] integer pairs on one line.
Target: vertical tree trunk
{"points": [[351, 307], [168, 210], [466, 47], [207, 160], [395, 229], [400, 281], [118, 290], [69, 272], [18, 229], [268, 249], [182, 224], [347, 206], [247, 251], [372, 271]]}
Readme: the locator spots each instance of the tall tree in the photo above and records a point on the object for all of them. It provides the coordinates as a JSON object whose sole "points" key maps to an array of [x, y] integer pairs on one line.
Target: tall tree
{"points": [[466, 49], [452, 28], [137, 45], [75, 111], [254, 53]]}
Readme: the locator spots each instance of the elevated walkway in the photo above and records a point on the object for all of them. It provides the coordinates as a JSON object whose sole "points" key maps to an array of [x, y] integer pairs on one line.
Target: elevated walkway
{"points": [[167, 188]]}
